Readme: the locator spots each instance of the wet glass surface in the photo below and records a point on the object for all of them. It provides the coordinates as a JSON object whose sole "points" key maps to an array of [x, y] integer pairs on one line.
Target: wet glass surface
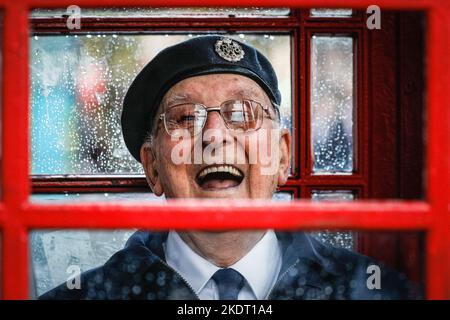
{"points": [[134, 197], [342, 239], [53, 252], [59, 256], [77, 87], [331, 13], [192, 12], [332, 104]]}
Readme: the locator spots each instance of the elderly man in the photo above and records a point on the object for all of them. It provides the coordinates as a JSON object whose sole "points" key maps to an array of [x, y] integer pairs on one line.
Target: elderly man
{"points": [[194, 117]]}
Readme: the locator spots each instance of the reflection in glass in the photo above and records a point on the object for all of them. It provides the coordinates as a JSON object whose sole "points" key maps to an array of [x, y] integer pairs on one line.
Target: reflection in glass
{"points": [[331, 13], [193, 12], [332, 104], [341, 239], [77, 87]]}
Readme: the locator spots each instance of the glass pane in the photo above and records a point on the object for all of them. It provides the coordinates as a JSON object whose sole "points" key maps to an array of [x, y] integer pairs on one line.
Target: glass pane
{"points": [[341, 239], [167, 12], [331, 13], [146, 197], [69, 197], [332, 104], [59, 255], [283, 196], [77, 87], [332, 195], [54, 251]]}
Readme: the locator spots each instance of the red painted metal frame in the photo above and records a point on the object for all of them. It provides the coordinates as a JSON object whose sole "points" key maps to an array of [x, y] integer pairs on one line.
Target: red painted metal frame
{"points": [[17, 216]]}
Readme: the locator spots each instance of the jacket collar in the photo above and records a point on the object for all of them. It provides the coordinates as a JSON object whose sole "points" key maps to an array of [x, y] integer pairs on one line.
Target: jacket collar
{"points": [[293, 245], [299, 251]]}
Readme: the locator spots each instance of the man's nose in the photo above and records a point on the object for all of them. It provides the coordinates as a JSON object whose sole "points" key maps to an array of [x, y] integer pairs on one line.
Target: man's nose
{"points": [[214, 121], [215, 131]]}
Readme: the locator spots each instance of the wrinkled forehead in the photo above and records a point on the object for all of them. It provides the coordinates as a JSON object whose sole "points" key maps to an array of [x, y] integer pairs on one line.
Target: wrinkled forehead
{"points": [[220, 86]]}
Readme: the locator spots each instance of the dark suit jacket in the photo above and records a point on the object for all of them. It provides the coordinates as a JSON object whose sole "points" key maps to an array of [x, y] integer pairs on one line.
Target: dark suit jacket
{"points": [[310, 270]]}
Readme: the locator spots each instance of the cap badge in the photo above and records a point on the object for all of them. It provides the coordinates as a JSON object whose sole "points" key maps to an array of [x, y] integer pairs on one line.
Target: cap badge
{"points": [[229, 50]]}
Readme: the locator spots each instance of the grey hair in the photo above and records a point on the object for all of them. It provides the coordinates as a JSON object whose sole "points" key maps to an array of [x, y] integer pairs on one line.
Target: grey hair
{"points": [[149, 137]]}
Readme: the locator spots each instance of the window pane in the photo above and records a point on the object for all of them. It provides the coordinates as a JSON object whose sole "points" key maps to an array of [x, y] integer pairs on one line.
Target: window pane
{"points": [[331, 13], [57, 254], [53, 251], [283, 196], [332, 195], [77, 87], [332, 104], [70, 197], [167, 12], [341, 239]]}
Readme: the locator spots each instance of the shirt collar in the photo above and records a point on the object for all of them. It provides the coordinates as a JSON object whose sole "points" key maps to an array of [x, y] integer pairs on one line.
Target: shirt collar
{"points": [[265, 257], [195, 269]]}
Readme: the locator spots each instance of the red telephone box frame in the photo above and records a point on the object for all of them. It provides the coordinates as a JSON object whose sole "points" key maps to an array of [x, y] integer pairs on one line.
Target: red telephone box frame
{"points": [[18, 216]]}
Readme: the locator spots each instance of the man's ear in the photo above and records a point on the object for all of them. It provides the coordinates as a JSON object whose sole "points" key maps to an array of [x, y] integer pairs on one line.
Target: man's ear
{"points": [[285, 157], [149, 162]]}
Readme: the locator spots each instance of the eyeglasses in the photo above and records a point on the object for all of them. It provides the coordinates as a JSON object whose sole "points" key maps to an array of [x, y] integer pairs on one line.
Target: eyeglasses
{"points": [[238, 115]]}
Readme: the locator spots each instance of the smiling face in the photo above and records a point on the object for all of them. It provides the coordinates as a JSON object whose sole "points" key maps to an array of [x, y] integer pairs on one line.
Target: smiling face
{"points": [[218, 162]]}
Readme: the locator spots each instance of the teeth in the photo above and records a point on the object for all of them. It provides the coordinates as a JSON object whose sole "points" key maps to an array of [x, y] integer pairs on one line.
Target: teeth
{"points": [[225, 168]]}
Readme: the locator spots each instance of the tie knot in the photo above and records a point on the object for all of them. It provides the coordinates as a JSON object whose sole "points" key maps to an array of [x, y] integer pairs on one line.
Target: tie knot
{"points": [[229, 282]]}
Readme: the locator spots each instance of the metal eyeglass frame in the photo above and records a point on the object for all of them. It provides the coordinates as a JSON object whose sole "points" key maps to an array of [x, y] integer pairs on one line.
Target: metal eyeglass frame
{"points": [[218, 109]]}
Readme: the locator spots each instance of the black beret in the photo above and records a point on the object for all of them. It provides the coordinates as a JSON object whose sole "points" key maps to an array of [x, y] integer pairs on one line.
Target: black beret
{"points": [[197, 56]]}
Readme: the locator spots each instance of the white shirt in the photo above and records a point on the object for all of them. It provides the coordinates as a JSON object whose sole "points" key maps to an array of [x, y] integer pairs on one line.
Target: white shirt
{"points": [[259, 267]]}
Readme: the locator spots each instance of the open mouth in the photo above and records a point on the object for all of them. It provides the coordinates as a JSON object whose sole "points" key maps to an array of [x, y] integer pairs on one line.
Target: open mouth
{"points": [[219, 177]]}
